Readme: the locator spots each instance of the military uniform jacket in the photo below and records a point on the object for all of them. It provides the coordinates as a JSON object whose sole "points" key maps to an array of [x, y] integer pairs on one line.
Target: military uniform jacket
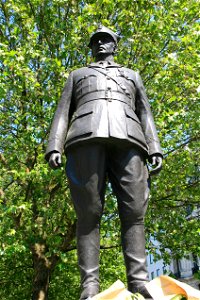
{"points": [[103, 100]]}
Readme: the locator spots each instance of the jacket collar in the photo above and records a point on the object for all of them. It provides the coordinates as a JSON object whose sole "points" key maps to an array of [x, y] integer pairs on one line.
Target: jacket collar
{"points": [[104, 64]]}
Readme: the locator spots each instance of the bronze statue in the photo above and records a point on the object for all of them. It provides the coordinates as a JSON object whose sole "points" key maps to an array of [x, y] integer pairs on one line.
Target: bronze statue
{"points": [[105, 126]]}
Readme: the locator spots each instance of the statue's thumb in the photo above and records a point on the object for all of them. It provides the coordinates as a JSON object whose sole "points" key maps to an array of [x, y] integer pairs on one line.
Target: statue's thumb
{"points": [[153, 161], [59, 160]]}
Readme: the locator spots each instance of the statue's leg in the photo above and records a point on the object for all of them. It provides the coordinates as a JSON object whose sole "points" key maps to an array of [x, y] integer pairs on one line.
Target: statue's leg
{"points": [[86, 175], [129, 177]]}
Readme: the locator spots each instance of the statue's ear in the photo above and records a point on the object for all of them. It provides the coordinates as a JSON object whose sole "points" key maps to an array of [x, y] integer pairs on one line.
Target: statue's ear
{"points": [[114, 49]]}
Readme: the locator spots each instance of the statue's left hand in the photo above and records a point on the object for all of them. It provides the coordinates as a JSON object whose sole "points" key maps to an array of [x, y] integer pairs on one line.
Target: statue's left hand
{"points": [[156, 162]]}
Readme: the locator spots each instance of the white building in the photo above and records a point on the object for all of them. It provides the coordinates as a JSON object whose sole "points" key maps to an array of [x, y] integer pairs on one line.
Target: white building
{"points": [[183, 268], [156, 267]]}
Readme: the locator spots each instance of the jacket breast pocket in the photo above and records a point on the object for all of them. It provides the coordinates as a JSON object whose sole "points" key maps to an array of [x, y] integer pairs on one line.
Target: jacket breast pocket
{"points": [[133, 125], [85, 85], [81, 123]]}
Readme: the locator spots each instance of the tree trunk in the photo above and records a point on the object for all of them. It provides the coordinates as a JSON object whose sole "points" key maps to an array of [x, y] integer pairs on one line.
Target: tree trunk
{"points": [[42, 272], [43, 266]]}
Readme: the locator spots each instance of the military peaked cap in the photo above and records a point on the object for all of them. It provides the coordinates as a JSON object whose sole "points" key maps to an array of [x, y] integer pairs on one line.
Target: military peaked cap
{"points": [[102, 29]]}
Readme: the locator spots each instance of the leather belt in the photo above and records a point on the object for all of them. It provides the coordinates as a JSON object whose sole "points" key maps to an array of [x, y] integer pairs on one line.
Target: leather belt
{"points": [[103, 95]]}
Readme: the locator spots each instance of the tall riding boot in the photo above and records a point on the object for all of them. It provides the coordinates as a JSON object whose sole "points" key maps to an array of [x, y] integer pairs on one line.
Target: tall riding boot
{"points": [[133, 243], [88, 258]]}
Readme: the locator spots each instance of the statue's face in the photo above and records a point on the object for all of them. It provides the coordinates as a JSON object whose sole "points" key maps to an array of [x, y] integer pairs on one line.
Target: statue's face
{"points": [[102, 44]]}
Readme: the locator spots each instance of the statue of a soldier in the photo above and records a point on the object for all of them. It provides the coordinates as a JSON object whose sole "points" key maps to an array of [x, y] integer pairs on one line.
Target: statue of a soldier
{"points": [[105, 126]]}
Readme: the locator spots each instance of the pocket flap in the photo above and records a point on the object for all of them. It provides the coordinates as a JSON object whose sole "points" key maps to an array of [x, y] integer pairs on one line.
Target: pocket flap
{"points": [[131, 114], [81, 112]]}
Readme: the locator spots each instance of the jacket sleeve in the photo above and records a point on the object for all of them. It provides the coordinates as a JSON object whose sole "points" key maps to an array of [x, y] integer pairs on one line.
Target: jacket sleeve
{"points": [[60, 121], [145, 116]]}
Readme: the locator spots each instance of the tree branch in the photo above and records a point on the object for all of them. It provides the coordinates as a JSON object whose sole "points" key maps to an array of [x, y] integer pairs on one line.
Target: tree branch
{"points": [[192, 139]]}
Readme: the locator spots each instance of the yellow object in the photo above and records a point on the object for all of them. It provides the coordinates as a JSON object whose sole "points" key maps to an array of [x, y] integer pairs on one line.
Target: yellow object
{"points": [[178, 297], [138, 296], [165, 288], [116, 291]]}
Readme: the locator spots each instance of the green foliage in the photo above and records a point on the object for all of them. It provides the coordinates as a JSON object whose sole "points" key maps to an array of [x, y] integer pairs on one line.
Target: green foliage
{"points": [[41, 42], [197, 275]]}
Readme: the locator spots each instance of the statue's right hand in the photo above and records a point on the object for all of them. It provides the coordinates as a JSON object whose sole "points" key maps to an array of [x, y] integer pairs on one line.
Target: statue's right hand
{"points": [[55, 160]]}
